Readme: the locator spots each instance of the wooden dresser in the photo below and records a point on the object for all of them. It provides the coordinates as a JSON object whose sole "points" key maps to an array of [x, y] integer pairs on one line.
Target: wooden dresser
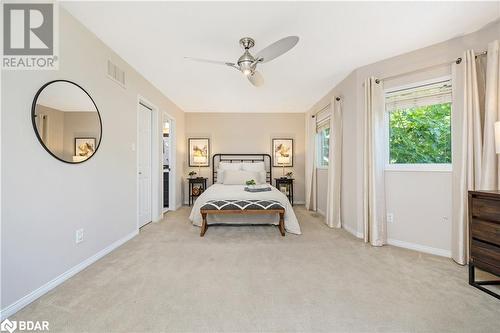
{"points": [[484, 237]]}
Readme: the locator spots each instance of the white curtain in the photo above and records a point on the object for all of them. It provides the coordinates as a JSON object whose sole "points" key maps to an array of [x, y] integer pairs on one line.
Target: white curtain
{"points": [[467, 149], [333, 218], [310, 162], [373, 164], [490, 172]]}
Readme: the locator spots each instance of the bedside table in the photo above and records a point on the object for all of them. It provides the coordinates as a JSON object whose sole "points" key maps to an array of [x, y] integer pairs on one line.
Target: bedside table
{"points": [[196, 187], [285, 185]]}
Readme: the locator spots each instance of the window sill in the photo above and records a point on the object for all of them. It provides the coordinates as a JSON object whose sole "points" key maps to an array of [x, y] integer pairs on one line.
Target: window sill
{"points": [[418, 168], [322, 168]]}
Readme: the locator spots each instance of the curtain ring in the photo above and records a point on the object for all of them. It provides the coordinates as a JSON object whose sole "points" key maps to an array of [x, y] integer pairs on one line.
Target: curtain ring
{"points": [[337, 99], [377, 81], [458, 61]]}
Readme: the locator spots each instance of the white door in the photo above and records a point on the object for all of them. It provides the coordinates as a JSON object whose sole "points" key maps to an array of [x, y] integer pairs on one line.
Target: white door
{"points": [[144, 124]]}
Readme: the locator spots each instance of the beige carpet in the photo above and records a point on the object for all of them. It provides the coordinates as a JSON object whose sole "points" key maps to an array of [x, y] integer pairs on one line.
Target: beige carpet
{"points": [[250, 279]]}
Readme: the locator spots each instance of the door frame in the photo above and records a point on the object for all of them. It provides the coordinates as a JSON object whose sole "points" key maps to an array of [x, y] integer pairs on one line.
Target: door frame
{"points": [[172, 162], [156, 204]]}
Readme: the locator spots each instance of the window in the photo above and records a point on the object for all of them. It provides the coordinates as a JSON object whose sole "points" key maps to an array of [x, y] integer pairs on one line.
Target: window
{"points": [[323, 147], [323, 137], [419, 123]]}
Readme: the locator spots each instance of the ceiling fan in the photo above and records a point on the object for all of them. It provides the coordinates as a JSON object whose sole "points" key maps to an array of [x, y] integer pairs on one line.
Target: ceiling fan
{"points": [[247, 63]]}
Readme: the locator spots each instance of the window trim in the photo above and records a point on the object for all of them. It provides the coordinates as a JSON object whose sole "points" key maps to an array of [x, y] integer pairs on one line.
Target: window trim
{"points": [[422, 167], [412, 167]]}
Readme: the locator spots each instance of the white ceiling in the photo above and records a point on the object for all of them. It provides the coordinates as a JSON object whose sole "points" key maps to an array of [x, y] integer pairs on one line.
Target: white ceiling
{"points": [[335, 38], [65, 97]]}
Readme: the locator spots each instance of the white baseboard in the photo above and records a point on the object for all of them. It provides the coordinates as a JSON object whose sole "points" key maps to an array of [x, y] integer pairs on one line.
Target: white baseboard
{"points": [[21, 303], [420, 248], [353, 232]]}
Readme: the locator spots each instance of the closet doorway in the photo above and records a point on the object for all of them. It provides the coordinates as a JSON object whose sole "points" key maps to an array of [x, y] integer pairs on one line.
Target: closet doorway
{"points": [[168, 162]]}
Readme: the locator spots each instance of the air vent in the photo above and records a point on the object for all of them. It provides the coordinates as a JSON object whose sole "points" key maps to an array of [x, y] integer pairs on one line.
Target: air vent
{"points": [[116, 74]]}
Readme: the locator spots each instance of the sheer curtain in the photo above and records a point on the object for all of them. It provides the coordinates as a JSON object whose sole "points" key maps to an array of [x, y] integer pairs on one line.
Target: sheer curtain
{"points": [[310, 163], [333, 217], [467, 120], [490, 172], [375, 230]]}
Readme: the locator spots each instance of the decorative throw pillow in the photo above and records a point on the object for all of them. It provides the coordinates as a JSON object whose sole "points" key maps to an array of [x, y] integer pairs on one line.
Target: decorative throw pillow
{"points": [[240, 177], [255, 166], [229, 166]]}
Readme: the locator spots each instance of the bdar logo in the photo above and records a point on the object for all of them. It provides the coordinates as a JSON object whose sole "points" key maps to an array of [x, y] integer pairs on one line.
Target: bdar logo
{"points": [[8, 326]]}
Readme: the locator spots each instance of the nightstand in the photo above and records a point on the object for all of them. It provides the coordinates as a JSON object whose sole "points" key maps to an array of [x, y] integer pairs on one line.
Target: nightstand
{"points": [[196, 187], [285, 185]]}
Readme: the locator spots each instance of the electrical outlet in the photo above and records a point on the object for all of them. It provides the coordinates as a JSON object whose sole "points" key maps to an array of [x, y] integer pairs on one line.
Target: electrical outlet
{"points": [[79, 236], [390, 218]]}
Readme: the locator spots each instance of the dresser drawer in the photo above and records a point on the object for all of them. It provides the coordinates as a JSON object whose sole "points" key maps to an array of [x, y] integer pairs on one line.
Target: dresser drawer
{"points": [[488, 253], [487, 231], [486, 209]]}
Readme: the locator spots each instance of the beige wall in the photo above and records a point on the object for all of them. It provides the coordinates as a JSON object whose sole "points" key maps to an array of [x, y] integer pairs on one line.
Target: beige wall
{"points": [[420, 201], [79, 124], [54, 128], [44, 201], [251, 133]]}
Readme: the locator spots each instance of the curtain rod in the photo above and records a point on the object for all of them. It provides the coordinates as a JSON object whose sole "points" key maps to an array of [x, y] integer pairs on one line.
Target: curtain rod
{"points": [[325, 107], [456, 61]]}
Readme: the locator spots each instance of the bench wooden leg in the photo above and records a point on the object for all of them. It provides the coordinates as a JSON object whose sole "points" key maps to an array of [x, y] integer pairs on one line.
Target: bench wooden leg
{"points": [[204, 225], [282, 224]]}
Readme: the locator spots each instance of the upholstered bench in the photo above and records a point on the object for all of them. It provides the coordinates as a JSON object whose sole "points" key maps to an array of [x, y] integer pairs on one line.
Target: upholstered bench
{"points": [[242, 207]]}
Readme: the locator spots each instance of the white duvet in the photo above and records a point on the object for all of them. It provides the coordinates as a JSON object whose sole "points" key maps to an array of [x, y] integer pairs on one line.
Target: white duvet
{"points": [[237, 192]]}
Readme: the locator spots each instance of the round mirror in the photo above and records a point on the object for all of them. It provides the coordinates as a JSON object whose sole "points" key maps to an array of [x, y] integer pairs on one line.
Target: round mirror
{"points": [[66, 121]]}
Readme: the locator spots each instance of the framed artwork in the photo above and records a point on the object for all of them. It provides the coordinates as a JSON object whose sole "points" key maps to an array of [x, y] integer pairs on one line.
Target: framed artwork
{"points": [[199, 152], [282, 152], [84, 147]]}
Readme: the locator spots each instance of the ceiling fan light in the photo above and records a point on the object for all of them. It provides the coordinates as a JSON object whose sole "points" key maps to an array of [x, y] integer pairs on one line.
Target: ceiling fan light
{"points": [[247, 72]]}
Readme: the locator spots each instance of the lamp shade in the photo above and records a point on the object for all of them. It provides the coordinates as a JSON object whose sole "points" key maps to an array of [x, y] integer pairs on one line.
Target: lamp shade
{"points": [[200, 159], [283, 159], [497, 137]]}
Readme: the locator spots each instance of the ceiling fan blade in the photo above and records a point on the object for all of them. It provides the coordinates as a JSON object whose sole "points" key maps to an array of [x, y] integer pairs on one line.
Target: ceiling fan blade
{"points": [[211, 61], [256, 79], [277, 48]]}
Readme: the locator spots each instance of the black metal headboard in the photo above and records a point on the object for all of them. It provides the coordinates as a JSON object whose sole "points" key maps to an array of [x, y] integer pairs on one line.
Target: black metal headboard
{"points": [[242, 158]]}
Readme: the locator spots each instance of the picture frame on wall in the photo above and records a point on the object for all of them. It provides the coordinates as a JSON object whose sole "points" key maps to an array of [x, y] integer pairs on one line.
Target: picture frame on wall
{"points": [[282, 152], [85, 146], [199, 152]]}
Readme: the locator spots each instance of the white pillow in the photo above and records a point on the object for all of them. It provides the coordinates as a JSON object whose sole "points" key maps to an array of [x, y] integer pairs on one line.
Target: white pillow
{"points": [[263, 177], [240, 177], [220, 176], [229, 166], [256, 166]]}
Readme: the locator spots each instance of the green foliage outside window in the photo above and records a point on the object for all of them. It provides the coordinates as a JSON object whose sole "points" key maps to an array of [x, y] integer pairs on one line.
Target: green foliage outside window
{"points": [[420, 135], [324, 146]]}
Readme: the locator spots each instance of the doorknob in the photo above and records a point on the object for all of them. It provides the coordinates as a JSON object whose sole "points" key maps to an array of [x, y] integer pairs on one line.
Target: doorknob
{"points": [[140, 173]]}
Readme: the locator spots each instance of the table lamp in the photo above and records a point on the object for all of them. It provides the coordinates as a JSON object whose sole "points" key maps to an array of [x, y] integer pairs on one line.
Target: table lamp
{"points": [[283, 160], [199, 160]]}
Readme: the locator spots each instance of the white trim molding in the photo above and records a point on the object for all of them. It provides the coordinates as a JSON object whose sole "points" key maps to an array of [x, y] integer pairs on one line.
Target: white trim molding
{"points": [[32, 296], [353, 232], [420, 248], [430, 167]]}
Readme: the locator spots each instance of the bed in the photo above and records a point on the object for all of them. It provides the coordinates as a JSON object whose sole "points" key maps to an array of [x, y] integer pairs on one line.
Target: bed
{"points": [[221, 191]]}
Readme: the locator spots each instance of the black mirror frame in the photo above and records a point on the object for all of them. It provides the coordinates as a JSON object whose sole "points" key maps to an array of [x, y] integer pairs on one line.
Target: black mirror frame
{"points": [[33, 116]]}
